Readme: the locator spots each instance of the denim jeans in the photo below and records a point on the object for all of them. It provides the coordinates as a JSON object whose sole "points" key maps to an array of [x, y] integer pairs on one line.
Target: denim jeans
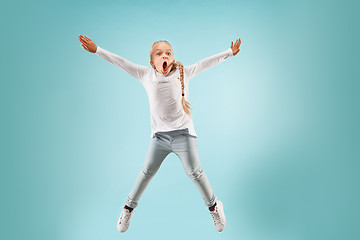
{"points": [[184, 146]]}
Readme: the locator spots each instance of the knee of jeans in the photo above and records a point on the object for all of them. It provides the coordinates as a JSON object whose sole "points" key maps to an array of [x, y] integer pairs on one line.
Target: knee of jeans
{"points": [[195, 174], [148, 173]]}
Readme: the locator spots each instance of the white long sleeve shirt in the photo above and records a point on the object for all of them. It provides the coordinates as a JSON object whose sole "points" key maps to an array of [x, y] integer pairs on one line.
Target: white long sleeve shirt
{"points": [[164, 92]]}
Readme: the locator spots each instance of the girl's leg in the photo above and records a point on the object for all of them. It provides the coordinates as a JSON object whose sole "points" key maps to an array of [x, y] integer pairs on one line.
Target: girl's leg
{"points": [[155, 156], [185, 147]]}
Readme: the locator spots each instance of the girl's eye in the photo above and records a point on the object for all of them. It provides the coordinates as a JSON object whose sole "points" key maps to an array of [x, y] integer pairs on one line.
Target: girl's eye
{"points": [[169, 53], [158, 54]]}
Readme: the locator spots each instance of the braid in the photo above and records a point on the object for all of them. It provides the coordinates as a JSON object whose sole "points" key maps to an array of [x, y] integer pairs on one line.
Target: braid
{"points": [[186, 105]]}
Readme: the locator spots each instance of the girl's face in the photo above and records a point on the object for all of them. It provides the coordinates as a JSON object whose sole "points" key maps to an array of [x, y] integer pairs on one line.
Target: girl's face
{"points": [[162, 58]]}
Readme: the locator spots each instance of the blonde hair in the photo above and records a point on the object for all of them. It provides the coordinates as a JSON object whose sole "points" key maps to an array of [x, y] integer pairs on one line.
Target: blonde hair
{"points": [[185, 104]]}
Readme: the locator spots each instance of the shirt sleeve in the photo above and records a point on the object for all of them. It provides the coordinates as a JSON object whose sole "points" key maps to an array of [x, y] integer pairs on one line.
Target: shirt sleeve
{"points": [[135, 70], [207, 63]]}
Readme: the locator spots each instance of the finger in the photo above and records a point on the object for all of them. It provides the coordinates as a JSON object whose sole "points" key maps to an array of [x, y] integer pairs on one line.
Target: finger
{"points": [[231, 44], [82, 39], [87, 38], [85, 48]]}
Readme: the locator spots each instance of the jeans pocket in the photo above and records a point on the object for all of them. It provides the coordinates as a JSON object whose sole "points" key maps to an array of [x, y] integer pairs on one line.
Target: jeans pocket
{"points": [[189, 135]]}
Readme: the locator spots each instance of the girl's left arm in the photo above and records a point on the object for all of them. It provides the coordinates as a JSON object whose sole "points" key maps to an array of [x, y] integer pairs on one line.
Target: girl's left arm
{"points": [[209, 62]]}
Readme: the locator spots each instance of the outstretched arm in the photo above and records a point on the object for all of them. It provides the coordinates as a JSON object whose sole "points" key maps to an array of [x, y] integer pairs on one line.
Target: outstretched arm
{"points": [[133, 69], [209, 62]]}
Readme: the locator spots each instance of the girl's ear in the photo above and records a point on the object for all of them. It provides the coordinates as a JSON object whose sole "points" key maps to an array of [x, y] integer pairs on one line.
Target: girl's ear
{"points": [[152, 63]]}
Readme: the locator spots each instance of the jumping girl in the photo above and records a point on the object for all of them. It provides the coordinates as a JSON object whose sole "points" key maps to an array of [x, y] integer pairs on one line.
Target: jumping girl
{"points": [[172, 128]]}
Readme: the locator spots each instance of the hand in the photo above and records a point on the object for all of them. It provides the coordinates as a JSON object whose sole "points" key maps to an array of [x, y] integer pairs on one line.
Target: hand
{"points": [[236, 47], [87, 44]]}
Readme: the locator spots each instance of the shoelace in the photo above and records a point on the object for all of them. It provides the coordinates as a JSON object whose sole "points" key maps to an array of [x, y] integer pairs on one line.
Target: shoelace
{"points": [[125, 217], [216, 216]]}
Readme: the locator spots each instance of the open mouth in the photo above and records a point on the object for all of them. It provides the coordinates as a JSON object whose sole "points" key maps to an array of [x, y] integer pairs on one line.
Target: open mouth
{"points": [[164, 66]]}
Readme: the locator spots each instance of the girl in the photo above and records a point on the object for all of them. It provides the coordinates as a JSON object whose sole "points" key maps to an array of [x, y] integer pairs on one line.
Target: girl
{"points": [[172, 128]]}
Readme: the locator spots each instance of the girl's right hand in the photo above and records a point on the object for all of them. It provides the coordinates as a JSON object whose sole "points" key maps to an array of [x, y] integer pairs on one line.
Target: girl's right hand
{"points": [[87, 44]]}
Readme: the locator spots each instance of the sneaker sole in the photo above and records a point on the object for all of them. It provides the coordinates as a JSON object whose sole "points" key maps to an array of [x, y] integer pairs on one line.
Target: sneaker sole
{"points": [[222, 213]]}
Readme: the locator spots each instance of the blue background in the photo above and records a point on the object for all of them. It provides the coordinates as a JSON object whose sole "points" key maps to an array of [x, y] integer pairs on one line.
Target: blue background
{"points": [[277, 125]]}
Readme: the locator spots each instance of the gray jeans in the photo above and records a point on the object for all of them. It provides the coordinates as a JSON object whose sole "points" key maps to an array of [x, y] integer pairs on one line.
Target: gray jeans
{"points": [[184, 146]]}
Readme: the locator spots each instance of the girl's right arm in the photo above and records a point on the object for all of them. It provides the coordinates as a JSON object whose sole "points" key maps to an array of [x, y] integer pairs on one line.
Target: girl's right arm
{"points": [[133, 69]]}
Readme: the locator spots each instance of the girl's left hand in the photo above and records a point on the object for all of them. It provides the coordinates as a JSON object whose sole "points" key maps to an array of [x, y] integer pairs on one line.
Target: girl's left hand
{"points": [[236, 47]]}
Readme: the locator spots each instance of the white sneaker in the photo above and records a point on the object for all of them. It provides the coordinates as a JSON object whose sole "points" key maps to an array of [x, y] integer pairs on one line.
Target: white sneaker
{"points": [[219, 216], [124, 220]]}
